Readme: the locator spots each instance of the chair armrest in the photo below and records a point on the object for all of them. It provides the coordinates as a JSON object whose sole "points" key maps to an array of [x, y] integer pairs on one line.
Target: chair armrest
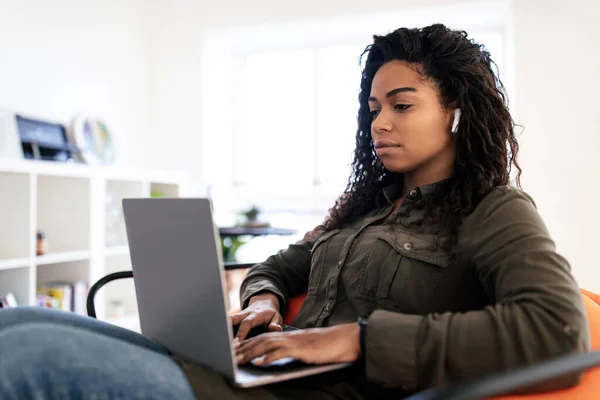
{"points": [[233, 266], [534, 377], [91, 308]]}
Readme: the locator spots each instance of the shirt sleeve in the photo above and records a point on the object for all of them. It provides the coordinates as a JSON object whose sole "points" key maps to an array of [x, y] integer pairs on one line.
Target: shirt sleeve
{"points": [[536, 310], [284, 274]]}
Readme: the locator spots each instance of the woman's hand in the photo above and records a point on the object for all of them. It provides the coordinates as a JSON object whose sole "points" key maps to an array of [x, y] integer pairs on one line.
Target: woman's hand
{"points": [[314, 346], [262, 310]]}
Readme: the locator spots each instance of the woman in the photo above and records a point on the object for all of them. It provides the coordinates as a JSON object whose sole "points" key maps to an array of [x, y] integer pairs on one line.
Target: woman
{"points": [[450, 268]]}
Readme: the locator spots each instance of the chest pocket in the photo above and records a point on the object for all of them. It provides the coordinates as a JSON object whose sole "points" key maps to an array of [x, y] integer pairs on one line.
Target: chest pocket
{"points": [[322, 252], [402, 272]]}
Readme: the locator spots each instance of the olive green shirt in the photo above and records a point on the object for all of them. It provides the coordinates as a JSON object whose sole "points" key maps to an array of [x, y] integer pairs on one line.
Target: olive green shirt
{"points": [[505, 300]]}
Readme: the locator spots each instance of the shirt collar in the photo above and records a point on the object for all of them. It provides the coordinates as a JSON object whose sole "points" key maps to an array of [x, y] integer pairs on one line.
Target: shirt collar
{"points": [[388, 194]]}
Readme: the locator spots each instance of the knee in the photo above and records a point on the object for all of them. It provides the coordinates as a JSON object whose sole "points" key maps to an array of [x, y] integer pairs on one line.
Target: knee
{"points": [[10, 317], [33, 344], [65, 362], [46, 357], [29, 356]]}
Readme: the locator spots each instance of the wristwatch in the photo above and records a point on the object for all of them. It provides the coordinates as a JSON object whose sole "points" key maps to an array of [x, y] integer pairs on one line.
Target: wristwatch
{"points": [[363, 324]]}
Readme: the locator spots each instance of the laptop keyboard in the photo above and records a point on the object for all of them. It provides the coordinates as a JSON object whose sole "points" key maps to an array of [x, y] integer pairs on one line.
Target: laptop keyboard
{"points": [[283, 364]]}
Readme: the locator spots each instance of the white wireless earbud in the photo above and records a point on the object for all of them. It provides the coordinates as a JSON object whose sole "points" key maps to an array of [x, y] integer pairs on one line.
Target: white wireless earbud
{"points": [[456, 120]]}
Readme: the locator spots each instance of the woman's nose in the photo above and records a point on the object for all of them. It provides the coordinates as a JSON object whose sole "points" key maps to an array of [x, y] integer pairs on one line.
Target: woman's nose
{"points": [[381, 123]]}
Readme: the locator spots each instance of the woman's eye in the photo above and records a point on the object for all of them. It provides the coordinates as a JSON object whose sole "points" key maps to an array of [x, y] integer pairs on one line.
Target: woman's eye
{"points": [[374, 113], [402, 107]]}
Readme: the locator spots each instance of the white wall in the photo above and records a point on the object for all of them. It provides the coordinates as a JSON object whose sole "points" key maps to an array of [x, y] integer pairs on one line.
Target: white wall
{"points": [[61, 57], [557, 57]]}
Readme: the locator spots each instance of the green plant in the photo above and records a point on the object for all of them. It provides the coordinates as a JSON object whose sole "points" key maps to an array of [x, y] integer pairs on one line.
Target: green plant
{"points": [[251, 214], [229, 246]]}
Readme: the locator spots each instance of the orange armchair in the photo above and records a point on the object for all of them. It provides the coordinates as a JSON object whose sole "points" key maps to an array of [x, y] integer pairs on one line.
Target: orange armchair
{"points": [[293, 307], [589, 387]]}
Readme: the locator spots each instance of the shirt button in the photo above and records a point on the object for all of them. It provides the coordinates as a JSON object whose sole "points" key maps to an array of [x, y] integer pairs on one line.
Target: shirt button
{"points": [[340, 263], [408, 246], [328, 307], [413, 193]]}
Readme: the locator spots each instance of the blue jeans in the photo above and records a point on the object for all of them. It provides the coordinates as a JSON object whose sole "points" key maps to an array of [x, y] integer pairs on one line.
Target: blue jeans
{"points": [[49, 354]]}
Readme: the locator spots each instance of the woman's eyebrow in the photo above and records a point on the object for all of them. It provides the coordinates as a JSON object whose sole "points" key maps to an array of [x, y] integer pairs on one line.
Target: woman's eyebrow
{"points": [[394, 92]]}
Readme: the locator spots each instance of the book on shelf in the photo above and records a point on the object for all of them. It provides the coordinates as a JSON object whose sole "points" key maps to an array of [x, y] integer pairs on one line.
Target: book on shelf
{"points": [[8, 301], [66, 296]]}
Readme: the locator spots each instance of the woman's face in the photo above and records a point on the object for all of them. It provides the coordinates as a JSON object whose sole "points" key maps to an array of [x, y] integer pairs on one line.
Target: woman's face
{"points": [[410, 129]]}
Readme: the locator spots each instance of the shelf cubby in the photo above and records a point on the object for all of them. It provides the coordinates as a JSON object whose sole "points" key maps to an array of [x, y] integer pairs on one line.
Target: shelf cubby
{"points": [[16, 235], [71, 271], [116, 191], [17, 282], [160, 189], [63, 212]]}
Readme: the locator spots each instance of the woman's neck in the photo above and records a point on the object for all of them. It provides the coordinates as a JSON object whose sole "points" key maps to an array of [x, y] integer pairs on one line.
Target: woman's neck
{"points": [[414, 179], [433, 170]]}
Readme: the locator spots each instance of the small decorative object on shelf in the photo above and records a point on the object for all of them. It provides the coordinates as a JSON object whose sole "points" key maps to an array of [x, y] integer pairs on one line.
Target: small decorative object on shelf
{"points": [[8, 301], [41, 244], [94, 139], [44, 140], [229, 246], [117, 309], [232, 238], [251, 220], [63, 295]]}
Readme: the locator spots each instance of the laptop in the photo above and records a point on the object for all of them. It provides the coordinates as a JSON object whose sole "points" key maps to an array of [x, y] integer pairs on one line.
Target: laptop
{"points": [[181, 291]]}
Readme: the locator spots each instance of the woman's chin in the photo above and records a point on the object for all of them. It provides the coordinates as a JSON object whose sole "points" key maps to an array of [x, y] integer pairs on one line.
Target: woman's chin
{"points": [[398, 167]]}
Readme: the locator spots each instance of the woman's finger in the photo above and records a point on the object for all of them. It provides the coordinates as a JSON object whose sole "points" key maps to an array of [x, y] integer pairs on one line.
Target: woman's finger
{"points": [[247, 345], [259, 346], [238, 317], [277, 354], [275, 325], [247, 323]]}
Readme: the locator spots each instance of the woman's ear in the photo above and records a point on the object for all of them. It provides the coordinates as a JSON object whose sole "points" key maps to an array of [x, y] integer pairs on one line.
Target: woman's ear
{"points": [[456, 120]]}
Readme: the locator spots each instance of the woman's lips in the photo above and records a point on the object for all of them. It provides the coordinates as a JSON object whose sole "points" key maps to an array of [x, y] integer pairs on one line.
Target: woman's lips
{"points": [[384, 147]]}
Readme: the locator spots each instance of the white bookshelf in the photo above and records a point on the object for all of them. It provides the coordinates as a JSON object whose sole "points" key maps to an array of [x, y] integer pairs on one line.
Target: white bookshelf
{"points": [[70, 203]]}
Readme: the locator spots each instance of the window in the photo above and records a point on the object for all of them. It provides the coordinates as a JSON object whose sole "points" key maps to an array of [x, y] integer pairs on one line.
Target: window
{"points": [[336, 103], [274, 141], [297, 120]]}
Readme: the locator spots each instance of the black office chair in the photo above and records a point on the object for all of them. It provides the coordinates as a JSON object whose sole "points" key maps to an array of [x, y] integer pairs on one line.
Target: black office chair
{"points": [[541, 377]]}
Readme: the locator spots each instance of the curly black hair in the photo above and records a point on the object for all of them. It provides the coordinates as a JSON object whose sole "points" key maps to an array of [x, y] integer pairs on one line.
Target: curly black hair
{"points": [[486, 147]]}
